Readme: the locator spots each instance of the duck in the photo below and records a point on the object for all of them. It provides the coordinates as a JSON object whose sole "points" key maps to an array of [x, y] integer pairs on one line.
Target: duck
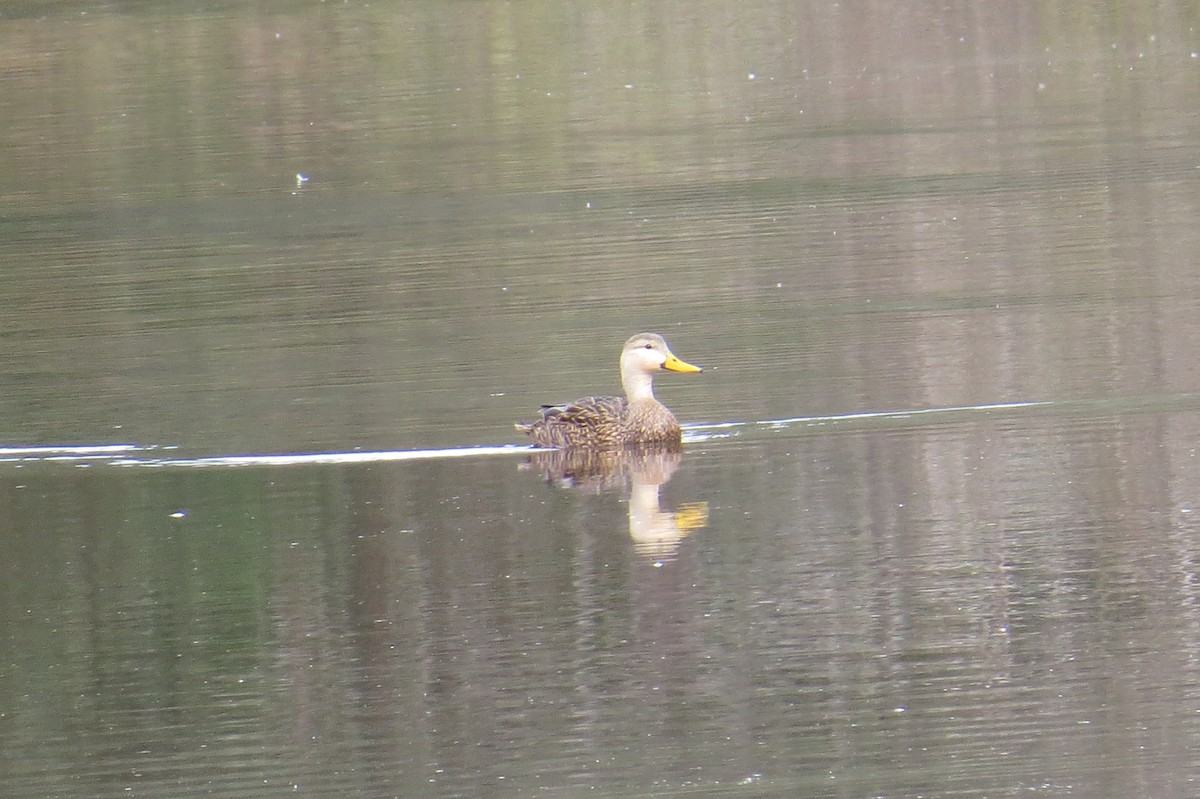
{"points": [[615, 422]]}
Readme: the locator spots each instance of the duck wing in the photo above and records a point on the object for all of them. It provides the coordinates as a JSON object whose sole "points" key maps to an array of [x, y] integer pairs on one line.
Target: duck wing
{"points": [[590, 421], [586, 411]]}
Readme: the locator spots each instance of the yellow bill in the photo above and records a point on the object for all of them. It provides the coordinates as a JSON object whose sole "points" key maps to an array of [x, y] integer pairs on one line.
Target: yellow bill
{"points": [[676, 365]]}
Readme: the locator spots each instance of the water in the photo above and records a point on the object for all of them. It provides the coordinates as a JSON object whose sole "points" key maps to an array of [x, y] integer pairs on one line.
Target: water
{"points": [[278, 282]]}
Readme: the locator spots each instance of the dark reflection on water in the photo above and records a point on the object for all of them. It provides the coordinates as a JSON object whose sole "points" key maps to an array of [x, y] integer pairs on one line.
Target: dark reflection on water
{"points": [[641, 474], [346, 227], [971, 608]]}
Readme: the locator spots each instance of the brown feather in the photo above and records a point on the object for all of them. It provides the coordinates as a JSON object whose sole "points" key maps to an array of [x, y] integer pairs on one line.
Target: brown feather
{"points": [[603, 423]]}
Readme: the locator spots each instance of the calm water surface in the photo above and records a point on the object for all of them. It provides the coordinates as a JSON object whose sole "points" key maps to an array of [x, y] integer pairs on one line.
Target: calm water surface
{"points": [[932, 533]]}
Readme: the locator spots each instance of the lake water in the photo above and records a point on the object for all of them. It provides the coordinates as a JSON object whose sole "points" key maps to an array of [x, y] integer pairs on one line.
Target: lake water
{"points": [[280, 277]]}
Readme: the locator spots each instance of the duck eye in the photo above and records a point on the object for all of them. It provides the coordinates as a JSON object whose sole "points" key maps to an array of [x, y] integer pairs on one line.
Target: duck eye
{"points": [[649, 346]]}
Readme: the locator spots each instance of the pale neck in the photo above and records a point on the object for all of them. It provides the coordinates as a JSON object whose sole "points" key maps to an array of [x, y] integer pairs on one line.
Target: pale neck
{"points": [[639, 384]]}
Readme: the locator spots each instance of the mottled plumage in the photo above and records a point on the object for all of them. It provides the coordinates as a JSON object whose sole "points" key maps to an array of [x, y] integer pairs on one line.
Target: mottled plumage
{"points": [[610, 422]]}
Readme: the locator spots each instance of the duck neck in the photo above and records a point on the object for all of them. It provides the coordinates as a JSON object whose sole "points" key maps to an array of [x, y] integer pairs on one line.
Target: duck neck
{"points": [[639, 385]]}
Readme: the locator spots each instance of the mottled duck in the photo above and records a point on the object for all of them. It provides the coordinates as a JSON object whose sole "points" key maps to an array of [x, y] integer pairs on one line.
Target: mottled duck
{"points": [[612, 422]]}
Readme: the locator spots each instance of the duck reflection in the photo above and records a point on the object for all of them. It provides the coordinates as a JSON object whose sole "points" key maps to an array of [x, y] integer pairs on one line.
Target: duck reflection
{"points": [[656, 533]]}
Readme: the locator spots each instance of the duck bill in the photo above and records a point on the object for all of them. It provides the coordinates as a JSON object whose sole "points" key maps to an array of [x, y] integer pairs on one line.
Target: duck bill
{"points": [[676, 365]]}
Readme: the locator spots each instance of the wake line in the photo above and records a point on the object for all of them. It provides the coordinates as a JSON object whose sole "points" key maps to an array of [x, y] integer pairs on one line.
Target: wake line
{"points": [[843, 417], [714, 430], [156, 456], [82, 452], [302, 459], [132, 455]]}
